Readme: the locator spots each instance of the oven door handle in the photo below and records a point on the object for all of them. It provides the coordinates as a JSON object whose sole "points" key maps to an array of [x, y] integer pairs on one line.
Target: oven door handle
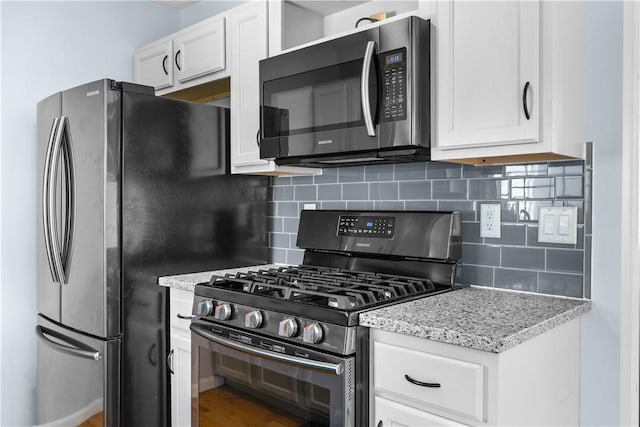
{"points": [[326, 367]]}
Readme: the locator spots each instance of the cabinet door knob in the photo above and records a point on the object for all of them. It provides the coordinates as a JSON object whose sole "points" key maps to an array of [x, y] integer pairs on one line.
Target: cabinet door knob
{"points": [[524, 100], [164, 64], [176, 60], [380, 424], [421, 383]]}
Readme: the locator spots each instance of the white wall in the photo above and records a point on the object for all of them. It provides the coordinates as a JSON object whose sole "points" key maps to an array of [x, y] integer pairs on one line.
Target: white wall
{"points": [[205, 9], [600, 353], [47, 47]]}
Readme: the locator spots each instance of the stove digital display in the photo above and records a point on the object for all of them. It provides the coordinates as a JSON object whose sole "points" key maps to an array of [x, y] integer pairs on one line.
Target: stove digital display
{"points": [[366, 226]]}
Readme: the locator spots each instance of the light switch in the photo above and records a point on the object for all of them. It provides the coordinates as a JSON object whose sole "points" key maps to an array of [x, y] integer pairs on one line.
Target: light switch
{"points": [[549, 224], [558, 225], [563, 225]]}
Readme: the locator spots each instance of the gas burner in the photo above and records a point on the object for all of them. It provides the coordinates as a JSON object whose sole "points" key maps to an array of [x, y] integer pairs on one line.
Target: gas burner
{"points": [[324, 286]]}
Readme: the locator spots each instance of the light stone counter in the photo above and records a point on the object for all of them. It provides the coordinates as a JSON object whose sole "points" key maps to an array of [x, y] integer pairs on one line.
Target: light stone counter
{"points": [[187, 282], [484, 319]]}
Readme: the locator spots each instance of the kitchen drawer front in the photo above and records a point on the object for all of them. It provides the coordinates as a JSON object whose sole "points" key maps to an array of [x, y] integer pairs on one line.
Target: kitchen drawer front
{"points": [[180, 302], [393, 414], [461, 388]]}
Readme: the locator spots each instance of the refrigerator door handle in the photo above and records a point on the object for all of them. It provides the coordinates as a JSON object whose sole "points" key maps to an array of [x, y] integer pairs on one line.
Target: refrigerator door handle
{"points": [[56, 246], [46, 183], [66, 345], [70, 180]]}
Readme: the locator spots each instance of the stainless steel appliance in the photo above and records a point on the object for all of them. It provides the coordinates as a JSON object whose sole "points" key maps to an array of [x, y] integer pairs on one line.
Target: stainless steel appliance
{"points": [[356, 99], [131, 187], [285, 343]]}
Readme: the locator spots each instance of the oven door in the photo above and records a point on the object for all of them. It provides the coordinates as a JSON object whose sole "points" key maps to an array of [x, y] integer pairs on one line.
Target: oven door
{"points": [[238, 379], [313, 102]]}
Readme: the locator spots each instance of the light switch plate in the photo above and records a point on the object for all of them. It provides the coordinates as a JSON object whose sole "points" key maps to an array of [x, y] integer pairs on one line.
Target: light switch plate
{"points": [[558, 225]]}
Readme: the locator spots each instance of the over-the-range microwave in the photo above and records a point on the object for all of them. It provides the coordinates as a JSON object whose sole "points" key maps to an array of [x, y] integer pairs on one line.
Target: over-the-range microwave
{"points": [[360, 98]]}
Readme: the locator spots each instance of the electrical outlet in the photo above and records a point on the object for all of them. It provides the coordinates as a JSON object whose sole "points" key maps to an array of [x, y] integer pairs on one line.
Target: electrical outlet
{"points": [[490, 220]]}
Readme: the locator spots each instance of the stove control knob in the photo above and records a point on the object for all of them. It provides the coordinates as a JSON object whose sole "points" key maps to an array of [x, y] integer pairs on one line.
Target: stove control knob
{"points": [[312, 333], [253, 319], [204, 308], [223, 311], [288, 327]]}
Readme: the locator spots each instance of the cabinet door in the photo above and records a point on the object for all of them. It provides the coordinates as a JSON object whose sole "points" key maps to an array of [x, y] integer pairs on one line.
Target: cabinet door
{"points": [[488, 67], [154, 65], [392, 414], [181, 381], [248, 28], [200, 51]]}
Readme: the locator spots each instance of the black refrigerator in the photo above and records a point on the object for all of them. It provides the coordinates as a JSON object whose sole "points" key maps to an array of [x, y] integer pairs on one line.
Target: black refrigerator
{"points": [[131, 187]]}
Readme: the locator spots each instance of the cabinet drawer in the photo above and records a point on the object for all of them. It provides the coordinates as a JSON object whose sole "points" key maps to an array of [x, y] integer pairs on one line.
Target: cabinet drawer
{"points": [[393, 414], [461, 388], [180, 302]]}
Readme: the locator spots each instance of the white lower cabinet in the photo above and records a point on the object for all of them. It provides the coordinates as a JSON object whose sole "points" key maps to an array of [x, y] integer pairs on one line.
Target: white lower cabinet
{"points": [[418, 382], [180, 302], [391, 414]]}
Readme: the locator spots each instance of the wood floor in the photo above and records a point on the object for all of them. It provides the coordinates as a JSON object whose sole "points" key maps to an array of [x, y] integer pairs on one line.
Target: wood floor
{"points": [[95, 421], [235, 409]]}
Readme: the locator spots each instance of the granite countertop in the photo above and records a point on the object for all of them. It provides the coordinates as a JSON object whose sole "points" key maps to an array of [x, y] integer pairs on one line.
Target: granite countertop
{"points": [[187, 282], [484, 319]]}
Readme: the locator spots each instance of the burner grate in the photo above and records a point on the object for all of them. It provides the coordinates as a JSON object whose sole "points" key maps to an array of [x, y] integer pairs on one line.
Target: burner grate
{"points": [[324, 286]]}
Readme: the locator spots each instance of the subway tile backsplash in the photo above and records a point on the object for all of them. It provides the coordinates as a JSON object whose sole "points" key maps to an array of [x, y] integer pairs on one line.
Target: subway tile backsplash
{"points": [[514, 261]]}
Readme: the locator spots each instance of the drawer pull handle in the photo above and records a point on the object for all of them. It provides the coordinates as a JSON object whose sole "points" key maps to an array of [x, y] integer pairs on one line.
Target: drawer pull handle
{"points": [[420, 383], [185, 316]]}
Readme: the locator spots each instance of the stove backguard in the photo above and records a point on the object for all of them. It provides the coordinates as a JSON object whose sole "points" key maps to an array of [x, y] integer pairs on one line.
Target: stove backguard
{"points": [[419, 235]]}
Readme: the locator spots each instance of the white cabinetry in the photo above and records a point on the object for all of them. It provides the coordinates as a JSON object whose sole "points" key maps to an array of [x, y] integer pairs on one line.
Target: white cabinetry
{"points": [[180, 302], [154, 64], [248, 28], [509, 81], [189, 57], [418, 382]]}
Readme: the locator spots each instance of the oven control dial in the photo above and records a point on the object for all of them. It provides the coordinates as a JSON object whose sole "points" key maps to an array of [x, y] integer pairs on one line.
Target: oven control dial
{"points": [[312, 333], [288, 327], [253, 319], [204, 308], [223, 311]]}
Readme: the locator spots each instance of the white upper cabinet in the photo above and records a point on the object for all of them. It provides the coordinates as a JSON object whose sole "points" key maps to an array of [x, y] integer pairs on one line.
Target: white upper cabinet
{"points": [[248, 30], [508, 80], [154, 64], [187, 58], [200, 50], [488, 69]]}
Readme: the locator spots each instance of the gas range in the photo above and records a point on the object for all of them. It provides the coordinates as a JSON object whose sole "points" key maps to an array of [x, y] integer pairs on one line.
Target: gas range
{"points": [[354, 261]]}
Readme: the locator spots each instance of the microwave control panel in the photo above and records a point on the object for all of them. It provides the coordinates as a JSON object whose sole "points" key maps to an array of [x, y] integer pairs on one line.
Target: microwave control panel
{"points": [[366, 226], [394, 81]]}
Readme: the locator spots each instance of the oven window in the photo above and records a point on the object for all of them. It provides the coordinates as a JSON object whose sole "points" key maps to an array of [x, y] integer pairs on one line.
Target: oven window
{"points": [[238, 389], [318, 100]]}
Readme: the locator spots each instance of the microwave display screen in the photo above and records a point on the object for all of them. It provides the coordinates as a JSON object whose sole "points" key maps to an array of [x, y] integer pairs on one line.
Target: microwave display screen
{"points": [[393, 59]]}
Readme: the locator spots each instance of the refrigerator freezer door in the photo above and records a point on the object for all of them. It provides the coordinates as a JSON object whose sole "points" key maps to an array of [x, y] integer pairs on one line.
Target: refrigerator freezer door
{"points": [[78, 378], [90, 300]]}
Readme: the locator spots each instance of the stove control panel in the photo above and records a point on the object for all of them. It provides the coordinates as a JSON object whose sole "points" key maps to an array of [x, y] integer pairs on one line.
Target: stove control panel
{"points": [[366, 226], [283, 326]]}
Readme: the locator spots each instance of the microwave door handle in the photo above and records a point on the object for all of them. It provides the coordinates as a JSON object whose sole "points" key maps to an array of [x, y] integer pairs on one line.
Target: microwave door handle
{"points": [[326, 367], [364, 88], [46, 183]]}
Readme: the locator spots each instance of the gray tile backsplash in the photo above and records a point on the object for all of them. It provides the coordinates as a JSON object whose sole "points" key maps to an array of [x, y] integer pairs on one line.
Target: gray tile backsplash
{"points": [[514, 261]]}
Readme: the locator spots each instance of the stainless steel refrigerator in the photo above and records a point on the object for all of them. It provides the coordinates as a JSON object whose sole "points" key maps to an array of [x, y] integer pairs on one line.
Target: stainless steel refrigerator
{"points": [[131, 187]]}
